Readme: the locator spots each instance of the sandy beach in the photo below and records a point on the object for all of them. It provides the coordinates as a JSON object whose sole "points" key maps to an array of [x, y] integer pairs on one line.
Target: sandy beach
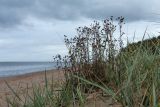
{"points": [[22, 82], [27, 80]]}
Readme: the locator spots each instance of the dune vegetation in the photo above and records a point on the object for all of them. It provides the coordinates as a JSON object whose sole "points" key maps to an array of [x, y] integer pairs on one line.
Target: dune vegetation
{"points": [[98, 61]]}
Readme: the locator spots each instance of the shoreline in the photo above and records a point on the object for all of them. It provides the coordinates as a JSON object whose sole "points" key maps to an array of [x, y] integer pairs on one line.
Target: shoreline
{"points": [[27, 74]]}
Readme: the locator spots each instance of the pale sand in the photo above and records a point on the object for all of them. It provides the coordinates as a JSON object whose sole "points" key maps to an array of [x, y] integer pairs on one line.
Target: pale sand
{"points": [[21, 82]]}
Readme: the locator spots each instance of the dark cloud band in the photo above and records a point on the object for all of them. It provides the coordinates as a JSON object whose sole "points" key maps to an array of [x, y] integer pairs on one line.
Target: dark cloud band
{"points": [[14, 12]]}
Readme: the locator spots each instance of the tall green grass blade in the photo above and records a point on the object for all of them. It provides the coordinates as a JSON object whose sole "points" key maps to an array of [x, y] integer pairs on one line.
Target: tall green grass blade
{"points": [[105, 89]]}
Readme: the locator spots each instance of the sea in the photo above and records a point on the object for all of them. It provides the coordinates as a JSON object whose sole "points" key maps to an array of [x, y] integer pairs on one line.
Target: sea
{"points": [[19, 68]]}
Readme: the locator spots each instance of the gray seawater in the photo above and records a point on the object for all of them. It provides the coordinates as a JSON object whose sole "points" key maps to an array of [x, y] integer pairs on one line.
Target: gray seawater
{"points": [[19, 68]]}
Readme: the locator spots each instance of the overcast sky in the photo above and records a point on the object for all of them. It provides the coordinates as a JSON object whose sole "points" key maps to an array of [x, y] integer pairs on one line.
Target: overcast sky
{"points": [[32, 30]]}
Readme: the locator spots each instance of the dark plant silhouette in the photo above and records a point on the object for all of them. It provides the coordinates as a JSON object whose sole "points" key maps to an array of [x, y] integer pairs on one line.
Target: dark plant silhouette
{"points": [[91, 51]]}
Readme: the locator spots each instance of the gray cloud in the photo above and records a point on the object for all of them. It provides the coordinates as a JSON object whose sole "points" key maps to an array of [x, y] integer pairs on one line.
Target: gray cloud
{"points": [[14, 12], [133, 10]]}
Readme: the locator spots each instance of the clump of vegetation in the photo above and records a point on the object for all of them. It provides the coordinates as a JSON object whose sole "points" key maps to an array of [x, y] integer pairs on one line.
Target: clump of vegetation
{"points": [[98, 60], [94, 49]]}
